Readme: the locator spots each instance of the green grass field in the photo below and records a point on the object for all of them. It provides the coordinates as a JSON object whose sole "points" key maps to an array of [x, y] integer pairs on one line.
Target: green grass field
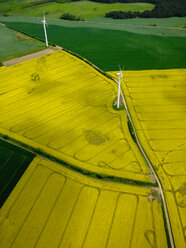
{"points": [[165, 26], [160, 22], [134, 51], [85, 9], [13, 163], [14, 44]]}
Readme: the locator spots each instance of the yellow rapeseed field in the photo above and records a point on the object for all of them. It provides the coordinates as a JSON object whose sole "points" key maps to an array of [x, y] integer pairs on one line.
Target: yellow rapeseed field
{"points": [[157, 103], [63, 106], [60, 104], [53, 206]]}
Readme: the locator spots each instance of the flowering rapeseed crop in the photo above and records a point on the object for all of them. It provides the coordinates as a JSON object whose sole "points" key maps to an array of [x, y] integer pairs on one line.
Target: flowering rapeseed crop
{"points": [[63, 106], [157, 101], [53, 206]]}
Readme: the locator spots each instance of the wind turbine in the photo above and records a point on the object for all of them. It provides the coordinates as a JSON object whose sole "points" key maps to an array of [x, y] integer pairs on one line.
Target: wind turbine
{"points": [[120, 74], [44, 26]]}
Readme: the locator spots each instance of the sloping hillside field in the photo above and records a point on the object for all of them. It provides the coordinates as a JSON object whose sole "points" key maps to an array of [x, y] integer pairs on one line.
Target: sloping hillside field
{"points": [[63, 106], [157, 102], [66, 209]]}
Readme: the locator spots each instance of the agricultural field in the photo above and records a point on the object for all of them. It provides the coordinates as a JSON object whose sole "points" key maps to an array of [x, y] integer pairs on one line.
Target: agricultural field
{"points": [[164, 27], [67, 209], [133, 50], [157, 101], [84, 9], [66, 110], [13, 163], [101, 191], [14, 44], [170, 22]]}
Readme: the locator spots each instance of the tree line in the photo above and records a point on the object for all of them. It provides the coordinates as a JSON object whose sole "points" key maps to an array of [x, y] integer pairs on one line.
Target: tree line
{"points": [[125, 1], [163, 8]]}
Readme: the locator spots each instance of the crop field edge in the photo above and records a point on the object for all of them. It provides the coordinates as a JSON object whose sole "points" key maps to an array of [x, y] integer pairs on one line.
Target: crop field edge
{"points": [[66, 50], [92, 174], [19, 55]]}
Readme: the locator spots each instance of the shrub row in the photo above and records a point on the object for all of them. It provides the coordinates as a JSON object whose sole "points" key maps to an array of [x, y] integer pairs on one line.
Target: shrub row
{"points": [[71, 17]]}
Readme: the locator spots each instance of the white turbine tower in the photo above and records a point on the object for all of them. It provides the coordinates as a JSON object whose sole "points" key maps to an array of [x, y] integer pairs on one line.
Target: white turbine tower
{"points": [[120, 74], [44, 26]]}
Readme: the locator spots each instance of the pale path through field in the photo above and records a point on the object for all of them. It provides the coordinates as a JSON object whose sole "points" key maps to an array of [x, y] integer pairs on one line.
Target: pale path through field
{"points": [[30, 56]]}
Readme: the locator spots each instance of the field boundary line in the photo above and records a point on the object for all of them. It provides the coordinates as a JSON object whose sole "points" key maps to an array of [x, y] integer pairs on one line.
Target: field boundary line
{"points": [[78, 169], [30, 56]]}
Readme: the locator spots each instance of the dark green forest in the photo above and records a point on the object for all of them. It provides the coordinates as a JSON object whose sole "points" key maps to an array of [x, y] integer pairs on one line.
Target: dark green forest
{"points": [[163, 9]]}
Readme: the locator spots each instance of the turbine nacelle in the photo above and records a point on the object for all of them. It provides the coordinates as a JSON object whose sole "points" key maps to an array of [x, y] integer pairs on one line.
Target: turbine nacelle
{"points": [[119, 74], [44, 20]]}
